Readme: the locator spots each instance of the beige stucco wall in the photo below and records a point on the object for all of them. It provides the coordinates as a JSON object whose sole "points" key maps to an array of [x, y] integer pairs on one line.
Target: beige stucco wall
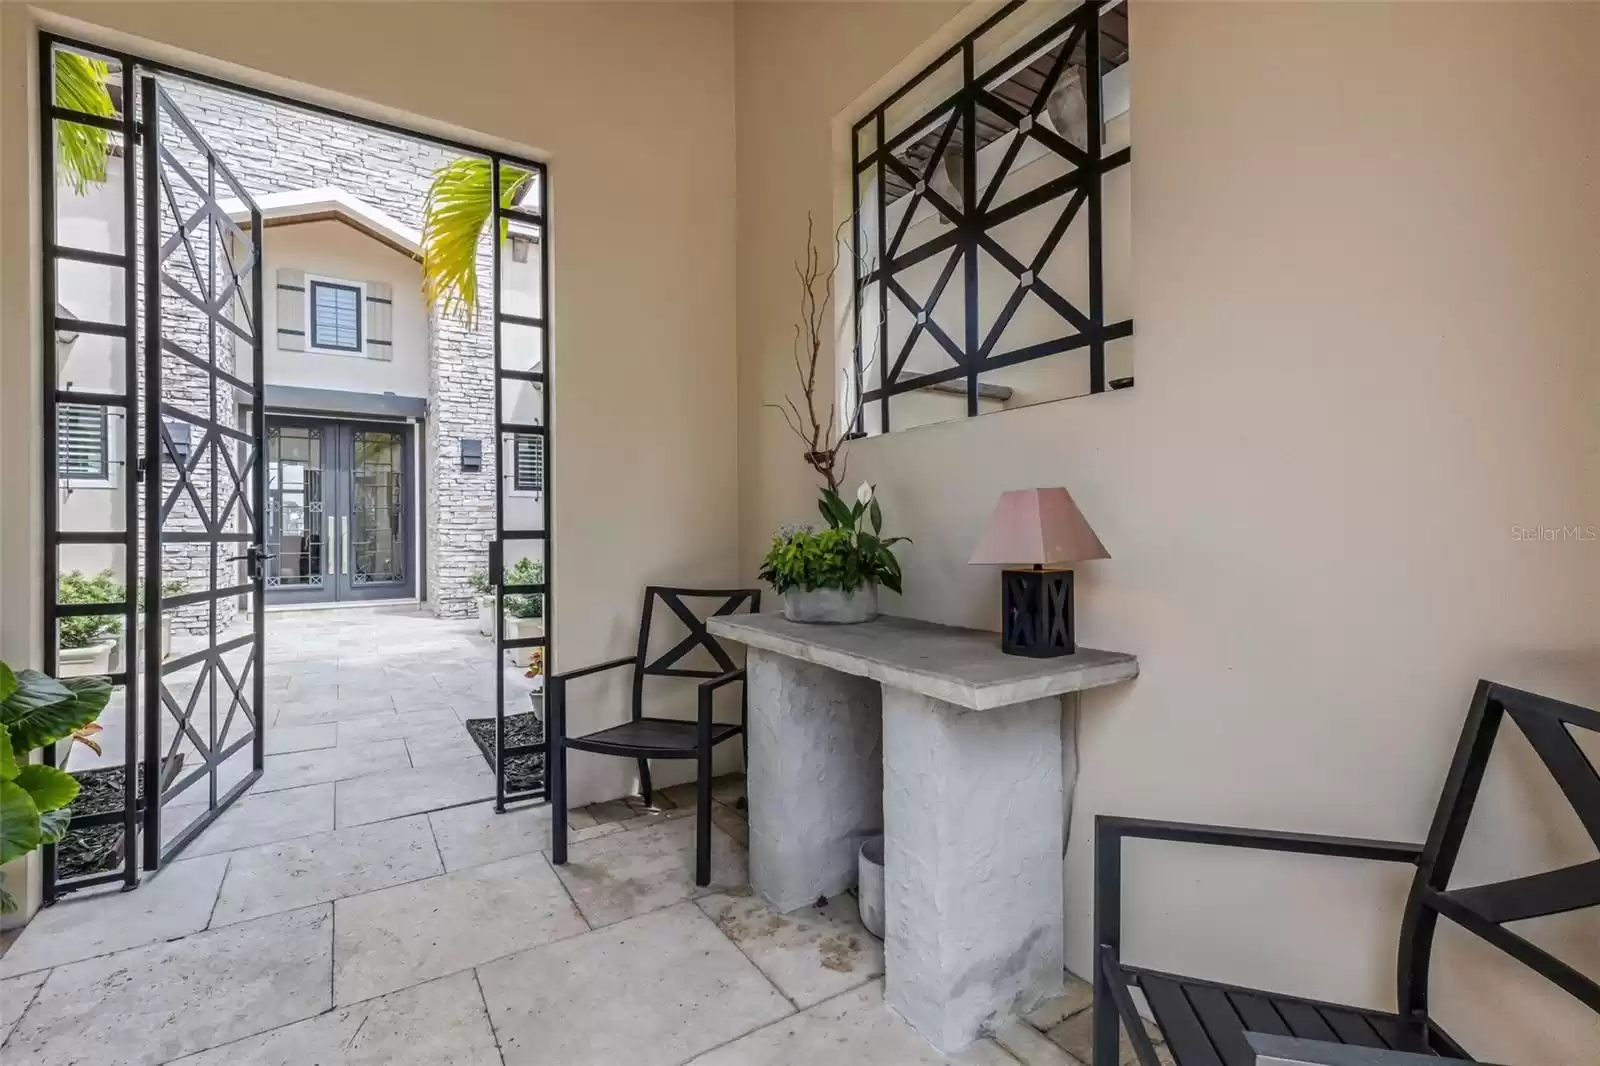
{"points": [[1364, 272], [338, 252], [632, 104]]}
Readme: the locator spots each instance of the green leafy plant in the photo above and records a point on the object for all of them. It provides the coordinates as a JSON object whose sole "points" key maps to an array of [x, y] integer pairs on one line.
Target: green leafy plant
{"points": [[523, 605], [83, 631], [454, 216], [843, 556], [478, 582], [81, 149], [36, 711]]}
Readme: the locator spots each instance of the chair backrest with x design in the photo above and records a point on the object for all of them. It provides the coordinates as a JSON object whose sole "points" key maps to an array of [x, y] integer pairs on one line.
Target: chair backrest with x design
{"points": [[674, 662], [1485, 910]]}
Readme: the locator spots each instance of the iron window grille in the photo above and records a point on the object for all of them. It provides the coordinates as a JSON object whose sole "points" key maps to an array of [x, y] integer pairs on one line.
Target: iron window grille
{"points": [[904, 159], [335, 316], [528, 463], [82, 443]]}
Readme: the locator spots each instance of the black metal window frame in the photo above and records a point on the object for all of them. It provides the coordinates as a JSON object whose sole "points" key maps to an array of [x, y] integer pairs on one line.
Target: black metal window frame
{"points": [[126, 123], [315, 287], [973, 352], [528, 462], [70, 435]]}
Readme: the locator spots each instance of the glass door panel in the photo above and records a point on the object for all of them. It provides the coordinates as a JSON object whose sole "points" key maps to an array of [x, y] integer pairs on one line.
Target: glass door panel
{"points": [[377, 562], [299, 519]]}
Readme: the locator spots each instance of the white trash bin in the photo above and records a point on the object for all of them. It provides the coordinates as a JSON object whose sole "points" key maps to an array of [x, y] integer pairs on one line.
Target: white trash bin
{"points": [[869, 885]]}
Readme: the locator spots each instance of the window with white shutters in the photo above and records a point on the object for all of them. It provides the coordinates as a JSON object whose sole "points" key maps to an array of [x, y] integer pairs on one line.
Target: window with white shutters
{"points": [[81, 442], [528, 461]]}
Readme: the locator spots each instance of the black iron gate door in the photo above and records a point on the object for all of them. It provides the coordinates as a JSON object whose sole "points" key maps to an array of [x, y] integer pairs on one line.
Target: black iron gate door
{"points": [[204, 433]]}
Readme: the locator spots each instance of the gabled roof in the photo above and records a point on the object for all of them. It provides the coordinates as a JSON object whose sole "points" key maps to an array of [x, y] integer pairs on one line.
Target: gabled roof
{"points": [[330, 203]]}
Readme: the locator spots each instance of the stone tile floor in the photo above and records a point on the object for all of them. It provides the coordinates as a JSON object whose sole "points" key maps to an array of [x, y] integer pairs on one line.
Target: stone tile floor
{"points": [[362, 905]]}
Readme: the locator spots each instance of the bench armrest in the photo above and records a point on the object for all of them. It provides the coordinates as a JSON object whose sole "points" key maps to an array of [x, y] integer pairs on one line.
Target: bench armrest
{"points": [[1259, 839], [1111, 1000]]}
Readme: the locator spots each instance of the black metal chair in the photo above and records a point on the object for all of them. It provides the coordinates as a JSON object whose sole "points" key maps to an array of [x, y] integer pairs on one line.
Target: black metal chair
{"points": [[643, 737], [1205, 1021]]}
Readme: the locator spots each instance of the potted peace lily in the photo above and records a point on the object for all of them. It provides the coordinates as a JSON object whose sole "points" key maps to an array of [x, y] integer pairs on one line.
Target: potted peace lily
{"points": [[832, 575]]}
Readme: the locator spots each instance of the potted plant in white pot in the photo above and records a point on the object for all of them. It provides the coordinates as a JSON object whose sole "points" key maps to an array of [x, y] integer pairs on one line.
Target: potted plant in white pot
{"points": [[524, 611], [830, 575], [478, 581], [87, 641]]}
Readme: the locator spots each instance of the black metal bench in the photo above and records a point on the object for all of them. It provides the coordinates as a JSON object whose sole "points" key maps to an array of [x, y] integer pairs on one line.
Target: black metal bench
{"points": [[1205, 1022]]}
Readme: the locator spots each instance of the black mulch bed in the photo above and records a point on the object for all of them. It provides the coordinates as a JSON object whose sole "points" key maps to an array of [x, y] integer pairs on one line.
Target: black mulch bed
{"points": [[97, 848], [524, 773]]}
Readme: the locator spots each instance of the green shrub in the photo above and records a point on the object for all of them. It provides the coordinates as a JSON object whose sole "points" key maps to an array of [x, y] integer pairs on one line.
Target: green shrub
{"points": [[525, 572], [86, 630]]}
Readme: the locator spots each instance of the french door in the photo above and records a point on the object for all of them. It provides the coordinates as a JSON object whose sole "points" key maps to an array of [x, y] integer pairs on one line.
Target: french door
{"points": [[340, 511]]}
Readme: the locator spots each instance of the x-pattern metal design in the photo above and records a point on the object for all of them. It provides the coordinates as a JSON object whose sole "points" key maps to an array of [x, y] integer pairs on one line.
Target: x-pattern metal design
{"points": [[699, 636], [1486, 909], [210, 302], [196, 260], [975, 220]]}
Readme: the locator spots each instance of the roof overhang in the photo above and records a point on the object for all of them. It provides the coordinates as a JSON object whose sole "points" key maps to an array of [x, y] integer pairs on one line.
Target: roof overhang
{"points": [[326, 204]]}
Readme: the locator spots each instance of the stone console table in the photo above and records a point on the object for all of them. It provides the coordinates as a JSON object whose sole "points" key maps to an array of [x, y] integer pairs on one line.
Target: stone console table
{"points": [[952, 748]]}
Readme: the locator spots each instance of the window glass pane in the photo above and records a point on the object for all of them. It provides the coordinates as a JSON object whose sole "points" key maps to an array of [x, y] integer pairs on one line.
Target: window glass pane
{"points": [[335, 316]]}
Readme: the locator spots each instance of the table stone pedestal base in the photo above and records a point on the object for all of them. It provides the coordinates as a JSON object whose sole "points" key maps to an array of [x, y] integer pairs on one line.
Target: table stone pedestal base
{"points": [[972, 864], [815, 777]]}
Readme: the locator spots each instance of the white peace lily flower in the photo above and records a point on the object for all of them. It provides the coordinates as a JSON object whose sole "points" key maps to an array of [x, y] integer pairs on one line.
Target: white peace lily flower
{"points": [[864, 493]]}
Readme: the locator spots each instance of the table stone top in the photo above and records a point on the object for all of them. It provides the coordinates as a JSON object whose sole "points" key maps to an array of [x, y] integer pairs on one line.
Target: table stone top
{"points": [[961, 666]]}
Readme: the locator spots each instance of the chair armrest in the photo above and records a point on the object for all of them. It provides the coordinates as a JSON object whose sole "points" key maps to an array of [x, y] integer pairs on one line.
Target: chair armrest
{"points": [[708, 688], [1258, 839], [584, 671]]}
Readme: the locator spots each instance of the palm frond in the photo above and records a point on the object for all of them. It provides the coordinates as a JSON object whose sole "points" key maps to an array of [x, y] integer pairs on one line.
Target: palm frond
{"points": [[453, 220], [81, 86]]}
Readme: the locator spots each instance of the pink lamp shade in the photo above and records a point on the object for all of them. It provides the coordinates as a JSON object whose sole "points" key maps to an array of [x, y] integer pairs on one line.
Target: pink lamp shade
{"points": [[1037, 527]]}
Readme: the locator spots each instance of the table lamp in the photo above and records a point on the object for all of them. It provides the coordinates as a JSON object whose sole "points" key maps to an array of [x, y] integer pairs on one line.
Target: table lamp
{"points": [[1039, 529]]}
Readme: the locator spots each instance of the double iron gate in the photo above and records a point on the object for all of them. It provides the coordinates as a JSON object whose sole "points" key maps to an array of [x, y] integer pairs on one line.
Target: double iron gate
{"points": [[185, 387]]}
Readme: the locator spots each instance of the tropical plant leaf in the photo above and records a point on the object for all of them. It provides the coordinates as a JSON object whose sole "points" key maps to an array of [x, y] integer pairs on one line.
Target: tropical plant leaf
{"points": [[876, 514], [454, 216], [8, 757], [80, 84], [92, 693], [8, 905], [8, 682], [51, 789], [53, 825], [43, 710], [19, 822]]}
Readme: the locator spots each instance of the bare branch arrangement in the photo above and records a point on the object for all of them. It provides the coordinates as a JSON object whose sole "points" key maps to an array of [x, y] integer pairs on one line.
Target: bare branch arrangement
{"points": [[823, 434]]}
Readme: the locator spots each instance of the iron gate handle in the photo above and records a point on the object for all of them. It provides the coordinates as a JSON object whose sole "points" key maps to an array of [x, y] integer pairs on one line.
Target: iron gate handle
{"points": [[255, 556]]}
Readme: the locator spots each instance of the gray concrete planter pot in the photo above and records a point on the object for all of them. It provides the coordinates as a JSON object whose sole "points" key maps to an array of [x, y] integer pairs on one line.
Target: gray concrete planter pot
{"points": [[833, 607]]}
